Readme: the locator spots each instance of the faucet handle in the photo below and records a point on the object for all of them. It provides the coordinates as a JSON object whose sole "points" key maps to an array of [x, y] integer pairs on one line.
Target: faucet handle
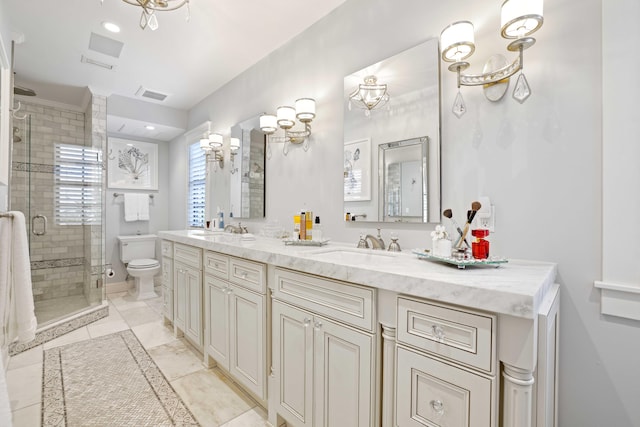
{"points": [[362, 244], [394, 246]]}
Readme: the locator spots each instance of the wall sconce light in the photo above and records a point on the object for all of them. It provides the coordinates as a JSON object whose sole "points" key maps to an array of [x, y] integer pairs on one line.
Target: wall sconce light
{"points": [[234, 147], [369, 95], [519, 19], [212, 145], [285, 118]]}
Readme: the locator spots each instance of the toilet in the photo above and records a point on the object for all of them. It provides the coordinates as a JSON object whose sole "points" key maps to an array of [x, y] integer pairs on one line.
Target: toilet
{"points": [[138, 254]]}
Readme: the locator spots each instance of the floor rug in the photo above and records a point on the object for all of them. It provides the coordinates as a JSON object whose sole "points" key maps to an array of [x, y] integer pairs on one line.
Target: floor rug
{"points": [[108, 381]]}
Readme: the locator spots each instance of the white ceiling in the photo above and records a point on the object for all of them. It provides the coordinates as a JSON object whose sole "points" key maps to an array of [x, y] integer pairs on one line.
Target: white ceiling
{"points": [[185, 60]]}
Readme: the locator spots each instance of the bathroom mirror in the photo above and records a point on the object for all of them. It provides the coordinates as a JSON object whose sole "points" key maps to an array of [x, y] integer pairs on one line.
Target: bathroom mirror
{"points": [[247, 170], [402, 168], [403, 119]]}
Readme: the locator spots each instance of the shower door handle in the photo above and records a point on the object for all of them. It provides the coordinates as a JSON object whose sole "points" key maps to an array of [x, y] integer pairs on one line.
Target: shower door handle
{"points": [[44, 226]]}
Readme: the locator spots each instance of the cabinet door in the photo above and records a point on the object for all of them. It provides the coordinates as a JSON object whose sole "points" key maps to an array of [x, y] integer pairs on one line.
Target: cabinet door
{"points": [[431, 393], [292, 343], [343, 381], [193, 326], [217, 318], [180, 295], [247, 346]]}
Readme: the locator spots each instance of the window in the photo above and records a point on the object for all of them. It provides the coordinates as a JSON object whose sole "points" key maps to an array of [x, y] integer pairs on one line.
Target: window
{"points": [[78, 185], [197, 186]]}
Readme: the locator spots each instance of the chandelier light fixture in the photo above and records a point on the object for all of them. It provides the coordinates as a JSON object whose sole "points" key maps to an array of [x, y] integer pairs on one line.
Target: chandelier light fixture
{"points": [[369, 95], [519, 19], [150, 7], [285, 119], [212, 145]]}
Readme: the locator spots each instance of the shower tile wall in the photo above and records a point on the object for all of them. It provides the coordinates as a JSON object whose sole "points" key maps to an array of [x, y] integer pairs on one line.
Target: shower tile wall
{"points": [[58, 257]]}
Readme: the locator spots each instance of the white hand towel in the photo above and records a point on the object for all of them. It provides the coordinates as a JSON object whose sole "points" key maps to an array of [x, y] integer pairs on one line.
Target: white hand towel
{"points": [[22, 321], [131, 206], [143, 207]]}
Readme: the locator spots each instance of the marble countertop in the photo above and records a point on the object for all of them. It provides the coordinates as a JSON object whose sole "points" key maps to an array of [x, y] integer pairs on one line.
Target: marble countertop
{"points": [[516, 288]]}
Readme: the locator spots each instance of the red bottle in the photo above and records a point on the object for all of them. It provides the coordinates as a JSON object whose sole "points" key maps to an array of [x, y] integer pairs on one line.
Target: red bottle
{"points": [[480, 247]]}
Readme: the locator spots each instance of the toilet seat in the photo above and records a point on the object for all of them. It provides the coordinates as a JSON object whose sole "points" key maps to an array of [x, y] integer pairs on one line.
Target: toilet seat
{"points": [[143, 263]]}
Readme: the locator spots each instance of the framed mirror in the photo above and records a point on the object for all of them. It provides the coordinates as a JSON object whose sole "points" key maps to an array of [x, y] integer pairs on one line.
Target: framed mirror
{"points": [[247, 169], [392, 111], [402, 168]]}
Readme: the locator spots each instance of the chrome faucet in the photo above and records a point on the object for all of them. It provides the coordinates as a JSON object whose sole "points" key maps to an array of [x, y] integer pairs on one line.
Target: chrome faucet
{"points": [[376, 241], [236, 229]]}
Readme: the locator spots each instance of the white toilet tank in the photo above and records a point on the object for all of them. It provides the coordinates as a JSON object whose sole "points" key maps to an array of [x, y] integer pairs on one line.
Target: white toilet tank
{"points": [[137, 247]]}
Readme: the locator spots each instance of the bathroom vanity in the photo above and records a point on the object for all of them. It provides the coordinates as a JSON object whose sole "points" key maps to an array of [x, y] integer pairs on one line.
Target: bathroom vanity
{"points": [[337, 336]]}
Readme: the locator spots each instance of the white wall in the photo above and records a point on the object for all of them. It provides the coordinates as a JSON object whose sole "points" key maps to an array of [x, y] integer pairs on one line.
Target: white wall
{"points": [[540, 162], [158, 214]]}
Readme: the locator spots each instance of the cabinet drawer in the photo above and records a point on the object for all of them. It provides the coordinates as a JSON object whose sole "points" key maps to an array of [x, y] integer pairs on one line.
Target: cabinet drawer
{"points": [[248, 274], [188, 255], [432, 393], [167, 295], [464, 336], [216, 264], [167, 272], [166, 247], [341, 301]]}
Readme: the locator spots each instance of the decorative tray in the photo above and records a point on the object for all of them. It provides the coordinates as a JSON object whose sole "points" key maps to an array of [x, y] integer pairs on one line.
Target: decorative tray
{"points": [[290, 242], [460, 263]]}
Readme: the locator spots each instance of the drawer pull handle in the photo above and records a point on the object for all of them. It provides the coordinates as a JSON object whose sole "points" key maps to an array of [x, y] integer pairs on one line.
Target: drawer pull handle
{"points": [[306, 322], [438, 332], [437, 406]]}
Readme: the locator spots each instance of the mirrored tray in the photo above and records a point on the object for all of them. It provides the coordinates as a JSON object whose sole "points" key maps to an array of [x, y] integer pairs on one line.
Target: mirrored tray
{"points": [[290, 242], [460, 263]]}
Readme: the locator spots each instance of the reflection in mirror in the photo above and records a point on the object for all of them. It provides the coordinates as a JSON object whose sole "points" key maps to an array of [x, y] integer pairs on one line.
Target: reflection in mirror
{"points": [[409, 110], [403, 166], [247, 170]]}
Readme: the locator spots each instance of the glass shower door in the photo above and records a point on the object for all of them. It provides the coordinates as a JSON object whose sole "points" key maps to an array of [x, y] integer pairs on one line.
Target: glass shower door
{"points": [[59, 187]]}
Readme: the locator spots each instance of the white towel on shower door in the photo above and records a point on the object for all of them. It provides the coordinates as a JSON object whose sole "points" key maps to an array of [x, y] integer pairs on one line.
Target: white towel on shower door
{"points": [[19, 318]]}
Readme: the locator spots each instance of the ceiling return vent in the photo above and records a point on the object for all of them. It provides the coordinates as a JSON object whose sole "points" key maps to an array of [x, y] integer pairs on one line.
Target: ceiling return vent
{"points": [[105, 45], [151, 94]]}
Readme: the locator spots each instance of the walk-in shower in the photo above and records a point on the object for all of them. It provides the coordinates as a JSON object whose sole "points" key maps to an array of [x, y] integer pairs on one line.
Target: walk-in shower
{"points": [[57, 182]]}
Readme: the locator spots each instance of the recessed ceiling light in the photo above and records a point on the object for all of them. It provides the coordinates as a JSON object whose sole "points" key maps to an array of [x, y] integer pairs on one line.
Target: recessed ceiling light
{"points": [[110, 26], [149, 127]]}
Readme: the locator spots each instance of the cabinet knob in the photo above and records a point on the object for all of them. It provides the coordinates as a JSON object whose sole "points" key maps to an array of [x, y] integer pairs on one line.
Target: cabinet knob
{"points": [[243, 275], [438, 332], [317, 325], [437, 406], [306, 322]]}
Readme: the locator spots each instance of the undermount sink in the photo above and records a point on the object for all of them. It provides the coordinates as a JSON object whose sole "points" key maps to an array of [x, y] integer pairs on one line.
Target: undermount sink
{"points": [[205, 232], [354, 256]]}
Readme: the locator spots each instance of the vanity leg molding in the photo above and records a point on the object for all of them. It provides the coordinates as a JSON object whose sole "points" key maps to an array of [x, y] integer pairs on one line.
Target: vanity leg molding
{"points": [[517, 397], [388, 373]]}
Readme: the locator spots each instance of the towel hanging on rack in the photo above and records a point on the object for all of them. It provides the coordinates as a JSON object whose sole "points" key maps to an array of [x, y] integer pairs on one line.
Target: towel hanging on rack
{"points": [[136, 207]]}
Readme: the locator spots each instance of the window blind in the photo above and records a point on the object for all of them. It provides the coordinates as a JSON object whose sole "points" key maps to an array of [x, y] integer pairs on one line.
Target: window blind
{"points": [[197, 185], [78, 185]]}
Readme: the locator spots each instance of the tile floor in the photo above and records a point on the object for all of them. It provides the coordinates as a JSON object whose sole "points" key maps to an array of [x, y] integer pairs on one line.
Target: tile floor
{"points": [[212, 398]]}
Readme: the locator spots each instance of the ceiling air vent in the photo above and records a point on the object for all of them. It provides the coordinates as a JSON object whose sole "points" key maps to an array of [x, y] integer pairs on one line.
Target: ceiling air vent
{"points": [[87, 60], [150, 94], [105, 45]]}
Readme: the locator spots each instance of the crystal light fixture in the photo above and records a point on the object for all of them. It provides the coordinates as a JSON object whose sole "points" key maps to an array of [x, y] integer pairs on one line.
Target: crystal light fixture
{"points": [[285, 118], [369, 95], [519, 19], [150, 7]]}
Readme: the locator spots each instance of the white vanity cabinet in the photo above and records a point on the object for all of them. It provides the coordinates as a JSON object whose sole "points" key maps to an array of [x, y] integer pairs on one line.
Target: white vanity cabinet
{"points": [[324, 352], [235, 319], [445, 366], [167, 280], [187, 282]]}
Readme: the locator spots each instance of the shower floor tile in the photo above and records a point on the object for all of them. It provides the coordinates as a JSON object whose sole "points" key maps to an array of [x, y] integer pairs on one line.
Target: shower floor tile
{"points": [[53, 309]]}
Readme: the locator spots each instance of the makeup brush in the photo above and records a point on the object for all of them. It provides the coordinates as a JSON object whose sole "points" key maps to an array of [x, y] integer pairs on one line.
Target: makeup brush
{"points": [[475, 207], [449, 214]]}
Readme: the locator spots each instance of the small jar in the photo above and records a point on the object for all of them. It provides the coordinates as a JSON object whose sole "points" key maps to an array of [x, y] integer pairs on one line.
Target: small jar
{"points": [[442, 248], [480, 246]]}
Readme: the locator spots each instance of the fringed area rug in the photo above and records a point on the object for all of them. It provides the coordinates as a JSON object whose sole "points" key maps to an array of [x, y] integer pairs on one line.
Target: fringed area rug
{"points": [[108, 381]]}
